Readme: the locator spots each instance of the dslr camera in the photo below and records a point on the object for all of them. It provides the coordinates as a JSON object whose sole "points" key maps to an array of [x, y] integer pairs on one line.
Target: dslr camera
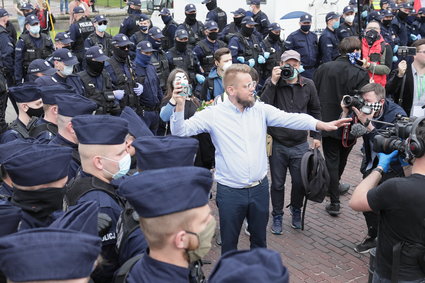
{"points": [[356, 100], [405, 51], [287, 72], [394, 137]]}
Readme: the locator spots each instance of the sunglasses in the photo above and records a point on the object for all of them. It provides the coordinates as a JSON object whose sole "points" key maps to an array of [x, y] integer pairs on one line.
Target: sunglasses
{"points": [[102, 23]]}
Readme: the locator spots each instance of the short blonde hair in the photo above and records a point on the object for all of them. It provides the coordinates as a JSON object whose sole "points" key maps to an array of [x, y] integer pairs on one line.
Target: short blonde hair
{"points": [[231, 73]]}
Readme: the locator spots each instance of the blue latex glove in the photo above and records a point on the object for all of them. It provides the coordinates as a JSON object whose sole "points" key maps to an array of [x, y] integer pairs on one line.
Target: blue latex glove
{"points": [[261, 59], [395, 59], [413, 37], [419, 36], [395, 49], [266, 55], [251, 63], [241, 59], [200, 78], [364, 14], [386, 159], [139, 89], [402, 162], [119, 94]]}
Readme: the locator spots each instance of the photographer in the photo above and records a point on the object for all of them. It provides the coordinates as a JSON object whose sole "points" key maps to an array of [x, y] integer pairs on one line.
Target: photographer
{"points": [[287, 90], [399, 201], [372, 96], [407, 83]]}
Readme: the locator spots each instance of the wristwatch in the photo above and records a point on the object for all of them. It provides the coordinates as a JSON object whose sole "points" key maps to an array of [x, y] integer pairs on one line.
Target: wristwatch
{"points": [[377, 169]]}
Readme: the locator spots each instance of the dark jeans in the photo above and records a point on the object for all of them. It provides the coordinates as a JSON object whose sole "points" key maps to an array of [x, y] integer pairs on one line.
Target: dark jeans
{"points": [[282, 158], [336, 158], [236, 204]]}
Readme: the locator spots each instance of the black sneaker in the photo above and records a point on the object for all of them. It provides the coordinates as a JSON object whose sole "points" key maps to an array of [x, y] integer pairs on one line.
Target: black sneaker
{"points": [[296, 218], [333, 209], [365, 246], [277, 225], [343, 188]]}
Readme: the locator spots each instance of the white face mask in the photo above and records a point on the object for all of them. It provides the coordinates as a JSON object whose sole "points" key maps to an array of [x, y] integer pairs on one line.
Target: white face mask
{"points": [[123, 164], [67, 70], [102, 28], [349, 19], [35, 29], [227, 65]]}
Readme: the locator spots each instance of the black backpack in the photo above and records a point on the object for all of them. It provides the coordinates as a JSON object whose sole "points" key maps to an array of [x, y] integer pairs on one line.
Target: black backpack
{"points": [[315, 177]]}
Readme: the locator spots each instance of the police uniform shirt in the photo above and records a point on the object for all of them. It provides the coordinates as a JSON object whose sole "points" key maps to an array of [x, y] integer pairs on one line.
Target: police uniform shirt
{"points": [[345, 30], [130, 24], [152, 93], [328, 46], [400, 29], [20, 51], [124, 67], [200, 52], [101, 41], [237, 48], [11, 135], [7, 50], [45, 136], [71, 80], [263, 23]]}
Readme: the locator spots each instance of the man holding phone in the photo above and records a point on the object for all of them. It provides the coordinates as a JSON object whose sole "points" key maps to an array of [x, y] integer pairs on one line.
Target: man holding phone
{"points": [[238, 129]]}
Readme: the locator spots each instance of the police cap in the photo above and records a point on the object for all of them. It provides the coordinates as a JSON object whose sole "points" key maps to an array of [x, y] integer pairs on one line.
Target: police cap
{"points": [[63, 37], [211, 25], [136, 126], [26, 92], [181, 34], [26, 6], [65, 56], [248, 21], [31, 20], [190, 8], [239, 12], [41, 66], [331, 15], [99, 18], [145, 46], [3, 13], [156, 33], [348, 9], [78, 10], [49, 94], [121, 40], [306, 18], [179, 189], [165, 12], [96, 53], [73, 105]]}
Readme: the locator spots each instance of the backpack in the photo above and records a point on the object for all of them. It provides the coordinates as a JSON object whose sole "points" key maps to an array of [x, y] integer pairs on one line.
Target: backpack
{"points": [[315, 178]]}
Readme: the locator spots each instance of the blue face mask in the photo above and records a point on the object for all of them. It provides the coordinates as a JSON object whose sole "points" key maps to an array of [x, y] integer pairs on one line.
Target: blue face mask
{"points": [[123, 165], [155, 44], [352, 57], [335, 25], [144, 28], [301, 69], [142, 59]]}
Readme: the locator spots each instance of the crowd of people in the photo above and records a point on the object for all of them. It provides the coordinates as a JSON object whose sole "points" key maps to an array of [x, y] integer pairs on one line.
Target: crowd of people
{"points": [[109, 164]]}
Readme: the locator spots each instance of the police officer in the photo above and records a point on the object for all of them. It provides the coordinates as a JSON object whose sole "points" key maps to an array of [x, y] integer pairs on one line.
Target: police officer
{"points": [[159, 59], [234, 27], [27, 9], [215, 14], [99, 37], [328, 41], [205, 48], [399, 23], [169, 29], [142, 34], [273, 48], [7, 49], [39, 68], [30, 109], [347, 28], [418, 25], [194, 28], [259, 17], [130, 24], [79, 31], [97, 83], [6, 187], [20, 251], [69, 106], [305, 43], [63, 40], [152, 93], [39, 174], [104, 158], [387, 31], [182, 56], [31, 45], [385, 5], [64, 62], [195, 242], [245, 47]]}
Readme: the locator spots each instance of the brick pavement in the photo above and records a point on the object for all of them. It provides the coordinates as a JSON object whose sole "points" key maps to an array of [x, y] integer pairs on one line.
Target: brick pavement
{"points": [[323, 252]]}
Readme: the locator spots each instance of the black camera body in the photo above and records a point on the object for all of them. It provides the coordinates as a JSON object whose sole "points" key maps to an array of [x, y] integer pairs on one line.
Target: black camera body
{"points": [[287, 72], [405, 51], [394, 137], [356, 101]]}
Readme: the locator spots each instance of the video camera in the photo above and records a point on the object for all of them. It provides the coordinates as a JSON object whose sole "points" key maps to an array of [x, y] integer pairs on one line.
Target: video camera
{"points": [[405, 51], [394, 137], [356, 100]]}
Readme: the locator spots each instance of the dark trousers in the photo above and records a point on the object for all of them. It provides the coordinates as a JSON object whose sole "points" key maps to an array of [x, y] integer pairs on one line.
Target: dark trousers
{"points": [[236, 204], [151, 118], [282, 158], [336, 158]]}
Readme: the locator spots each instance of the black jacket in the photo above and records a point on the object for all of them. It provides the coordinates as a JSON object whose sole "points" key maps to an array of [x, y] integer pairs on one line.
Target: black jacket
{"points": [[334, 80], [298, 98], [394, 87]]}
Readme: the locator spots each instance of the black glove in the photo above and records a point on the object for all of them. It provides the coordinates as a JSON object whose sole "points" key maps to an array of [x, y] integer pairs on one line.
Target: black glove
{"points": [[104, 222]]}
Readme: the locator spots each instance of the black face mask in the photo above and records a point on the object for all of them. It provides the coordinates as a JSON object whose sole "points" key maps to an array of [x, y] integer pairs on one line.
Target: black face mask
{"points": [[305, 28], [238, 21], [371, 36], [133, 11], [94, 68], [166, 19], [212, 5], [274, 37], [246, 31], [120, 54], [180, 45], [190, 19], [35, 112], [213, 35], [402, 15], [39, 203], [386, 23]]}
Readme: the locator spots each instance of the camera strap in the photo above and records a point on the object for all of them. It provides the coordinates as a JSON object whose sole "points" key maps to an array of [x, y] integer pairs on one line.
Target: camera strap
{"points": [[346, 134]]}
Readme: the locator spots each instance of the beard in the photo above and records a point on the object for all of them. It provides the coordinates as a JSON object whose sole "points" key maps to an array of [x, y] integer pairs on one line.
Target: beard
{"points": [[248, 103]]}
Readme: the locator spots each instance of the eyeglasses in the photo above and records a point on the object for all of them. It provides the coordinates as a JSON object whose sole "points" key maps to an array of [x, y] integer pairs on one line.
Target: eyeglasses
{"points": [[250, 85], [102, 23]]}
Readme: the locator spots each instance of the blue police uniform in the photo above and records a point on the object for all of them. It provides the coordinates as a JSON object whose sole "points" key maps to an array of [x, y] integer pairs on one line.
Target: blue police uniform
{"points": [[192, 191], [206, 59], [389, 35], [10, 217], [328, 46], [48, 254], [99, 130], [400, 29], [130, 24], [71, 80], [250, 265], [6, 190], [261, 19], [152, 93], [238, 48], [215, 14], [7, 53]]}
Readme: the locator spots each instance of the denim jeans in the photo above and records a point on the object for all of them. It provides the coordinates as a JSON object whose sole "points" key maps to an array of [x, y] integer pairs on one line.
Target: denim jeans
{"points": [[236, 204], [62, 3], [282, 158]]}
